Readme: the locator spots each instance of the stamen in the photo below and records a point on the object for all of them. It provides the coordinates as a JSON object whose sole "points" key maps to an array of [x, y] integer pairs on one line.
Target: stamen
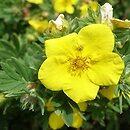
{"points": [[79, 65]]}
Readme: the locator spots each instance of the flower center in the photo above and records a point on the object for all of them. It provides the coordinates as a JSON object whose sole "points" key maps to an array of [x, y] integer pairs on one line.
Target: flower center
{"points": [[79, 64]]}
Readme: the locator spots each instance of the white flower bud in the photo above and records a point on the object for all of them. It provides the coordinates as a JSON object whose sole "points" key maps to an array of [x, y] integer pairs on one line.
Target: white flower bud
{"points": [[107, 13], [58, 23]]}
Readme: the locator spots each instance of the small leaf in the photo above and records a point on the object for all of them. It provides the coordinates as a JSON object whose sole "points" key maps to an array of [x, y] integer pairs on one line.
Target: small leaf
{"points": [[117, 91], [67, 114], [45, 122], [16, 41], [120, 103]]}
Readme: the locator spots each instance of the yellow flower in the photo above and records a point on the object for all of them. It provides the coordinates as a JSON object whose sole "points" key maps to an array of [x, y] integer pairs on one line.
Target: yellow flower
{"points": [[35, 1], [84, 7], [77, 120], [61, 6], [109, 92], [79, 63], [39, 26], [117, 23], [56, 121]]}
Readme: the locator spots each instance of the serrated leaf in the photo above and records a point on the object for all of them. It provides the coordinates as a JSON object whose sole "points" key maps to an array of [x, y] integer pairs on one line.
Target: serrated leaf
{"points": [[21, 69], [10, 71], [5, 55], [9, 85], [6, 44]]}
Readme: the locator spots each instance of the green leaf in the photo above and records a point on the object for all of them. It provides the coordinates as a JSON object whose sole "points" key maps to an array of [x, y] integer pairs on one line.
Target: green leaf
{"points": [[15, 77], [41, 104], [75, 105], [6, 44], [11, 86], [17, 91], [5, 55], [45, 121], [67, 114], [117, 90], [126, 49], [55, 100], [120, 103], [16, 41], [99, 115], [10, 71], [21, 69], [114, 107], [128, 99], [126, 59]]}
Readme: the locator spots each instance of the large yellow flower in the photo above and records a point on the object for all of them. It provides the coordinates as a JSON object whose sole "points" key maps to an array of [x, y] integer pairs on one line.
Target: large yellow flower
{"points": [[61, 6], [79, 63]]}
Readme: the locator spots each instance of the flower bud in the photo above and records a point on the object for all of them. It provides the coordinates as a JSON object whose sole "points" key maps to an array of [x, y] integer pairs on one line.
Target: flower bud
{"points": [[107, 14], [58, 23]]}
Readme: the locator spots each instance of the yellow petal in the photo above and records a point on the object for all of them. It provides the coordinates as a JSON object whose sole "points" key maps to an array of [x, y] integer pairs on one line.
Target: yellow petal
{"points": [[108, 92], [70, 9], [82, 106], [93, 5], [105, 69], [53, 73], [84, 9], [96, 37], [77, 120], [39, 26], [120, 23], [74, 2], [64, 5], [35, 1], [61, 46], [57, 4], [82, 89], [55, 121]]}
